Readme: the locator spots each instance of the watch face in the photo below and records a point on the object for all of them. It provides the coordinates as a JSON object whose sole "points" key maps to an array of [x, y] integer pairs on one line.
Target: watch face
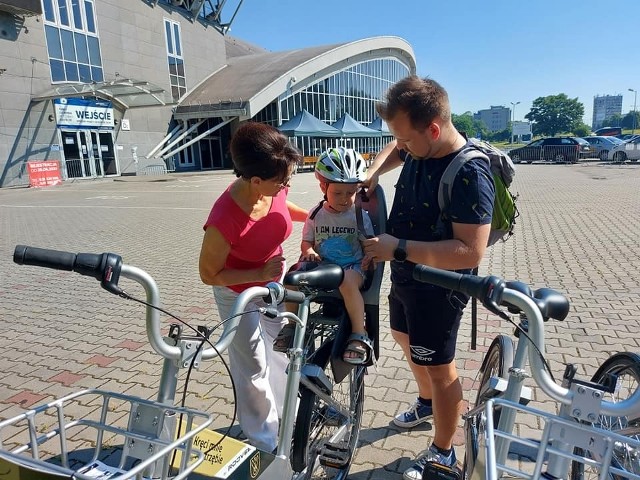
{"points": [[399, 255]]}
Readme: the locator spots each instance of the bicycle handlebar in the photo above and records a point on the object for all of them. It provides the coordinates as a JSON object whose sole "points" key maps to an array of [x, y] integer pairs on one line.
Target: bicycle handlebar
{"points": [[492, 291], [108, 268]]}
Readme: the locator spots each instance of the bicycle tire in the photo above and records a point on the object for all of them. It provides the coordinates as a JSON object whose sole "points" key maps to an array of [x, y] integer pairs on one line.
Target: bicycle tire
{"points": [[496, 363], [316, 423], [626, 366]]}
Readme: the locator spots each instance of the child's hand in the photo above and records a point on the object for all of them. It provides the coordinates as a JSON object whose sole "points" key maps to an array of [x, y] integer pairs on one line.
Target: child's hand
{"points": [[366, 261], [310, 255]]}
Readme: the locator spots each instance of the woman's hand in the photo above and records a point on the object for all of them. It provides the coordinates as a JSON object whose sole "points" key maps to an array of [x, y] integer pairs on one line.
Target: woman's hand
{"points": [[273, 268]]}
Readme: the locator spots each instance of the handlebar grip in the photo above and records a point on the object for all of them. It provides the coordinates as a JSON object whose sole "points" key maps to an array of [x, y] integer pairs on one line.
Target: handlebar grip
{"points": [[293, 296], [104, 267], [486, 289], [435, 276], [43, 257]]}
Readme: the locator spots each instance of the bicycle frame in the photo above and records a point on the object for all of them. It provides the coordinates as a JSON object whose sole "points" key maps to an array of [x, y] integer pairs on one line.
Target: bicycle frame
{"points": [[582, 402], [177, 352]]}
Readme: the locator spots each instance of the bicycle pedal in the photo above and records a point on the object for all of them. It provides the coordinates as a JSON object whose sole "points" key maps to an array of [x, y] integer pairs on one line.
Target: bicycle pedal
{"points": [[435, 471], [334, 456]]}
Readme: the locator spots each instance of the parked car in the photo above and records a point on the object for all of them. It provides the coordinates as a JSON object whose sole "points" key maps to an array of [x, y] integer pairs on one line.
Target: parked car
{"points": [[608, 131], [603, 145], [553, 149], [629, 150]]}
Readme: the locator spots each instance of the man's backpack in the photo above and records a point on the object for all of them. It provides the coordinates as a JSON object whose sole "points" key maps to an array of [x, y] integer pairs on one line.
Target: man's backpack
{"points": [[505, 211]]}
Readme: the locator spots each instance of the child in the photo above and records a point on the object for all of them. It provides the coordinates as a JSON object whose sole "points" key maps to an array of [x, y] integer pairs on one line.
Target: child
{"points": [[331, 235]]}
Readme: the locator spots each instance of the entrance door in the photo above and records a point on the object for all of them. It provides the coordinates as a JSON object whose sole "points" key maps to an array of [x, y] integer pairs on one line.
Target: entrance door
{"points": [[88, 153], [104, 157], [75, 146], [210, 153]]}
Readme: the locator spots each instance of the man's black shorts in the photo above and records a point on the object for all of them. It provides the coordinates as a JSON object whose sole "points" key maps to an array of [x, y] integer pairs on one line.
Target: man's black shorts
{"points": [[431, 316]]}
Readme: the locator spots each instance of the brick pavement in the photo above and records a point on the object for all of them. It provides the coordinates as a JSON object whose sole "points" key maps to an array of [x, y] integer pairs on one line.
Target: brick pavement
{"points": [[579, 233]]}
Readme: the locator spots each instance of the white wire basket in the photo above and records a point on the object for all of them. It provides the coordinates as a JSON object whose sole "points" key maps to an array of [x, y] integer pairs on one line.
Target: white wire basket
{"points": [[538, 436], [95, 434]]}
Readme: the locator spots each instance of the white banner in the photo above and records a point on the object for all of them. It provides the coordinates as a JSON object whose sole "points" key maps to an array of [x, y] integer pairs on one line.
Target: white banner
{"points": [[78, 113]]}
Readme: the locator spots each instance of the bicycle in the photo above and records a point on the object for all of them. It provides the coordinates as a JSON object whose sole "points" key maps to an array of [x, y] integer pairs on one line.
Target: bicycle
{"points": [[322, 411], [596, 430]]}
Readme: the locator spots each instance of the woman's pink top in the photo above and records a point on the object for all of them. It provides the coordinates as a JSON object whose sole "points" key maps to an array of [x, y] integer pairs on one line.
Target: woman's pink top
{"points": [[253, 242]]}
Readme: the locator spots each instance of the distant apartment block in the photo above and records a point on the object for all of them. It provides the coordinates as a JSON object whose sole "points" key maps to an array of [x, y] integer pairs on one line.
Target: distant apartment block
{"points": [[495, 118], [604, 106]]}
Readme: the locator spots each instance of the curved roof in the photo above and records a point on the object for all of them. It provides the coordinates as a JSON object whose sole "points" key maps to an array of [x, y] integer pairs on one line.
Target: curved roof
{"points": [[248, 83]]}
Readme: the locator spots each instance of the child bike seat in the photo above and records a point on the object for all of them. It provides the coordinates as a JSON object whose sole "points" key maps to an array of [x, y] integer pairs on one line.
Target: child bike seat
{"points": [[325, 276]]}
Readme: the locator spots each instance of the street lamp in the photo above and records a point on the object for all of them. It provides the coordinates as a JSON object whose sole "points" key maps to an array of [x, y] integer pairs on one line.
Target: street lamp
{"points": [[635, 97], [513, 117]]}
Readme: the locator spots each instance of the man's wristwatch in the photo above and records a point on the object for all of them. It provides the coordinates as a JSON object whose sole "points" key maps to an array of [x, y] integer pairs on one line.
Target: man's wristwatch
{"points": [[400, 254]]}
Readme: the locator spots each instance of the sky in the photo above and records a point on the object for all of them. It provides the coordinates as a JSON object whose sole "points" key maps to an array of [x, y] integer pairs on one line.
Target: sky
{"points": [[484, 53]]}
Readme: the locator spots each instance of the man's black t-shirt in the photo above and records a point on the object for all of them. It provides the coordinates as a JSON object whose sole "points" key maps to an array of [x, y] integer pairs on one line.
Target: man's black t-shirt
{"points": [[416, 215]]}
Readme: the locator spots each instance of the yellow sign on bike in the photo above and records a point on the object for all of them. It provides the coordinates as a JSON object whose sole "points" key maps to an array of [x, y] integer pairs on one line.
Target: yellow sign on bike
{"points": [[227, 459]]}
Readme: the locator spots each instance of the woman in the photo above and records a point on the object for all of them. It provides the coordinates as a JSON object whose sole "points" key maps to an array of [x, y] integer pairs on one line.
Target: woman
{"points": [[242, 247]]}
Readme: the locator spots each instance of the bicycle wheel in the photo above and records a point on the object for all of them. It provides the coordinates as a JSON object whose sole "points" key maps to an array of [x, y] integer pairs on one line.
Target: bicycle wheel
{"points": [[626, 366], [496, 364], [324, 440]]}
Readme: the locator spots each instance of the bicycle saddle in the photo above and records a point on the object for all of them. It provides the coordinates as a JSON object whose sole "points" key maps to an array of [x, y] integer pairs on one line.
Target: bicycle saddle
{"points": [[321, 276], [551, 304]]}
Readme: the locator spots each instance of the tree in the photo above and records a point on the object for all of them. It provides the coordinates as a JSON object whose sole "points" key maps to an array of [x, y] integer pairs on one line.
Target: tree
{"points": [[614, 120], [627, 121], [555, 113], [465, 123], [581, 130]]}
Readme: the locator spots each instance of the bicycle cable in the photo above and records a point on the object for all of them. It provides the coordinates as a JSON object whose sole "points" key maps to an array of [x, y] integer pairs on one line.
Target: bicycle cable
{"points": [[544, 360], [205, 336]]}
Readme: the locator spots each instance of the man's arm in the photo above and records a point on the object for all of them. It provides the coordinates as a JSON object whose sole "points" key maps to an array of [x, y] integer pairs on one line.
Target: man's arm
{"points": [[464, 250], [385, 161]]}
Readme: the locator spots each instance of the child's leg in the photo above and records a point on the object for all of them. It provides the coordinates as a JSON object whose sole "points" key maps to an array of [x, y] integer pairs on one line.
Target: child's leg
{"points": [[353, 301]]}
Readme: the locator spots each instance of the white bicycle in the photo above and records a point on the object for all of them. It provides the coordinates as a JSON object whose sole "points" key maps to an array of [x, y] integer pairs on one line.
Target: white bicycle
{"points": [[596, 431]]}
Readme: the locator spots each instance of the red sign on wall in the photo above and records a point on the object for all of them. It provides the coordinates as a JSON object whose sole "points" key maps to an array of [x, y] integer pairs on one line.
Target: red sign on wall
{"points": [[44, 173]]}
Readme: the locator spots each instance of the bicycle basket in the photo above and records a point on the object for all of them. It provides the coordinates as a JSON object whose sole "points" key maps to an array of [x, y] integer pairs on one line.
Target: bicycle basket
{"points": [[97, 434], [536, 438]]}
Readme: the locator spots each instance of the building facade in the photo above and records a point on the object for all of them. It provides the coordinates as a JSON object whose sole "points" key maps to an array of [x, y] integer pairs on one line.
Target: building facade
{"points": [[107, 88], [605, 106], [496, 118]]}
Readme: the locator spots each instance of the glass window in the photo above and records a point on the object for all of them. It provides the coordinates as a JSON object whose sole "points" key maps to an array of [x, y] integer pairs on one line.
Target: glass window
{"points": [[176, 35], [49, 13], [96, 74], [64, 12], [168, 36], [71, 70], [68, 48], [72, 38], [85, 73], [53, 41], [94, 51], [175, 60], [81, 48], [88, 10], [77, 14], [57, 70]]}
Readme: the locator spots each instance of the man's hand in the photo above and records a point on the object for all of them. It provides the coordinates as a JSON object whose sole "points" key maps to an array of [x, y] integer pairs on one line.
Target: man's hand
{"points": [[380, 248]]}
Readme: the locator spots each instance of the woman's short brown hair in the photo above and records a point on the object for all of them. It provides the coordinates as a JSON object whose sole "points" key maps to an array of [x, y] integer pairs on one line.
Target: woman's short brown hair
{"points": [[260, 150]]}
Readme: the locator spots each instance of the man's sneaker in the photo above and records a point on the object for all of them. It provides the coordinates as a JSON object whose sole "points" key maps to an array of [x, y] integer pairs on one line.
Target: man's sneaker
{"points": [[418, 413], [429, 456]]}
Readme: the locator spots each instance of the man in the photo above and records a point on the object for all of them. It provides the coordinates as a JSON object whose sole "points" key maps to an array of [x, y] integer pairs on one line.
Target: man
{"points": [[425, 318]]}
